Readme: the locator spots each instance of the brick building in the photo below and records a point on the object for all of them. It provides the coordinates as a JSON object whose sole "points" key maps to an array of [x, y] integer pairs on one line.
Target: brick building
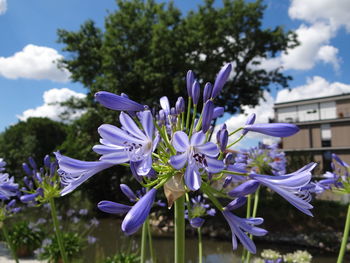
{"points": [[324, 128]]}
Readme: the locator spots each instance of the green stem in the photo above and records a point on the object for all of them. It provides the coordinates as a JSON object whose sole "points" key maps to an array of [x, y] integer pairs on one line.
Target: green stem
{"points": [[249, 205], [255, 209], [9, 243], [150, 241], [236, 141], [143, 242], [345, 238], [200, 246], [58, 230], [180, 230]]}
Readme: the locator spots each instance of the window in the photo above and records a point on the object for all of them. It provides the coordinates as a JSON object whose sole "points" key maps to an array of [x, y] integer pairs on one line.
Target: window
{"points": [[326, 135]]}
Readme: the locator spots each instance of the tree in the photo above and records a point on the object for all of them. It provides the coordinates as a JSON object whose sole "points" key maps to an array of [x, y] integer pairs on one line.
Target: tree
{"points": [[35, 137], [146, 49]]}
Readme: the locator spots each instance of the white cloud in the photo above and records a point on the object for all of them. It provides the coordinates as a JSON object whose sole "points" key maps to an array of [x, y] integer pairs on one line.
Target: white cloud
{"points": [[33, 62], [51, 107], [315, 87], [328, 54], [263, 111], [322, 19], [3, 7], [312, 39], [335, 13]]}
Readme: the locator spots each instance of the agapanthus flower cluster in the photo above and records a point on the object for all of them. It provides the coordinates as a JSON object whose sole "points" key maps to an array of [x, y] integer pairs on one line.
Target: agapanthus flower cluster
{"points": [[197, 209], [337, 180], [169, 148], [41, 183], [8, 193]]}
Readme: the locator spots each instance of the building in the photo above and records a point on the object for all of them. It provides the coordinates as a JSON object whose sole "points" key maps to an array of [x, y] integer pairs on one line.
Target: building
{"points": [[324, 128]]}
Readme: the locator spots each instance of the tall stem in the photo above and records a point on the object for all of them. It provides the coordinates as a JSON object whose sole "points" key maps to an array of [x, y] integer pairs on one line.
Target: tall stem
{"points": [[255, 209], [58, 231], [150, 241], [345, 238], [9, 243], [144, 242], [249, 204], [200, 246], [180, 230]]}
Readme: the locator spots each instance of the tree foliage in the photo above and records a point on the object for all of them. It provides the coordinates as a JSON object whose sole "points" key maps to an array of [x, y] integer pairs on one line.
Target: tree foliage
{"points": [[146, 49], [35, 137]]}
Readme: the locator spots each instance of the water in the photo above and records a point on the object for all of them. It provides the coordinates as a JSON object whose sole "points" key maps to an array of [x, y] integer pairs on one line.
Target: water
{"points": [[111, 240]]}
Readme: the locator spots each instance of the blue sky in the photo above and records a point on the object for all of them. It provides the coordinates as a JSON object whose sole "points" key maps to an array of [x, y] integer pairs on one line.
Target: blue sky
{"points": [[29, 81]]}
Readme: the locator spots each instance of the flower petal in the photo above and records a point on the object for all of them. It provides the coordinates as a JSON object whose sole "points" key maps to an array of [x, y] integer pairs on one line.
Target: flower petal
{"points": [[130, 126], [192, 178], [180, 141], [214, 165], [147, 123], [197, 139], [116, 136], [209, 149], [113, 208], [116, 102], [178, 161]]}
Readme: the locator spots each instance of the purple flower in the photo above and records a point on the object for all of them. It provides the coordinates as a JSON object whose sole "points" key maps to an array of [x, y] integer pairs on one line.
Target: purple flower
{"points": [[290, 186], [180, 105], [8, 187], [74, 172], [273, 129], [240, 227], [113, 208], [195, 92], [218, 112], [245, 188], [189, 82], [116, 102], [207, 115], [197, 222], [164, 103], [338, 160], [138, 213], [128, 192], [198, 155], [237, 203], [207, 92], [129, 143], [221, 79], [249, 121], [91, 240], [2, 164]]}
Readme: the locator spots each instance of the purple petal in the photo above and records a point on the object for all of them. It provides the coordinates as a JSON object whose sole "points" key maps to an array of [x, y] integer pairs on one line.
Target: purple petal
{"points": [[209, 149], [207, 115], [189, 82], [214, 165], [144, 166], [178, 161], [340, 161], [218, 112], [107, 149], [195, 92], [245, 188], [273, 129], [180, 141], [128, 192], [113, 208], [116, 136], [207, 92], [115, 102], [130, 126], [115, 157], [147, 123], [197, 222], [197, 139], [192, 178], [164, 103], [138, 213], [237, 203], [221, 79]]}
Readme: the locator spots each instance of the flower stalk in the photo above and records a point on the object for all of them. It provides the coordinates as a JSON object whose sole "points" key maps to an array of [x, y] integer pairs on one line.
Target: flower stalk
{"points": [[143, 242], [58, 230], [200, 246], [9, 243], [345, 238], [180, 230]]}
